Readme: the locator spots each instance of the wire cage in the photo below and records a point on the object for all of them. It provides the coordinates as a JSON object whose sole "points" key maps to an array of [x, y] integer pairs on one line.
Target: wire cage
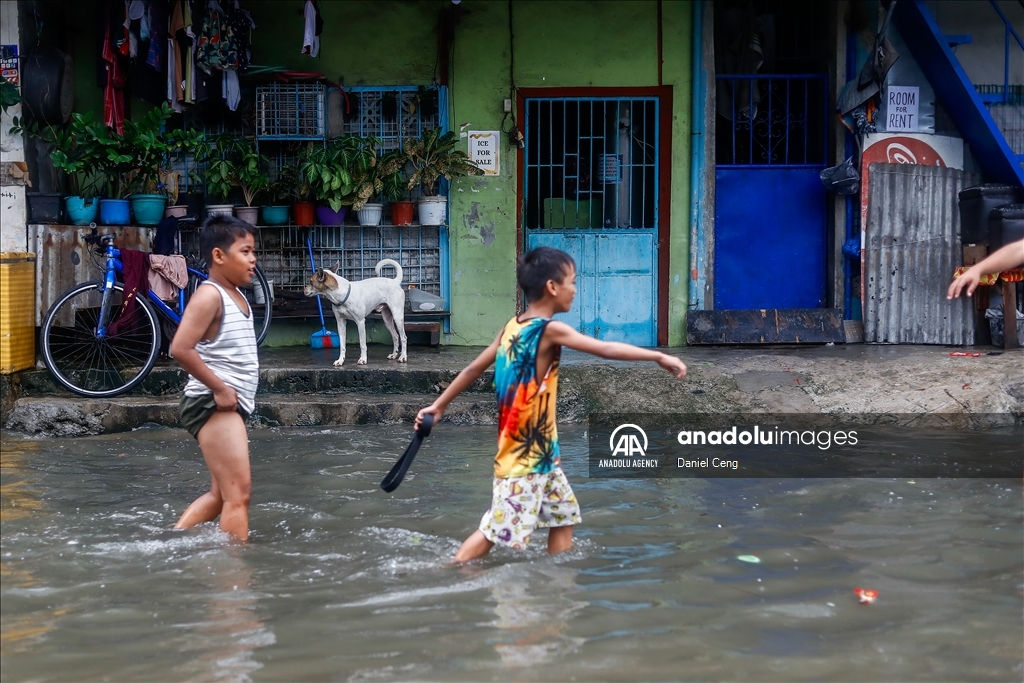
{"points": [[291, 111], [394, 113]]}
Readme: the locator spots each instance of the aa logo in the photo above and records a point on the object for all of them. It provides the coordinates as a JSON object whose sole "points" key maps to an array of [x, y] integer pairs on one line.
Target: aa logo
{"points": [[628, 442]]}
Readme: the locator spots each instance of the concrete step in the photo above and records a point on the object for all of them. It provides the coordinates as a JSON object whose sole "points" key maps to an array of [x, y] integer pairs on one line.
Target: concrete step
{"points": [[58, 416], [169, 379]]}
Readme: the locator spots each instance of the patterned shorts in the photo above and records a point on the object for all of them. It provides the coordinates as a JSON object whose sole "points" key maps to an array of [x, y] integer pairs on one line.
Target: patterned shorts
{"points": [[521, 504]]}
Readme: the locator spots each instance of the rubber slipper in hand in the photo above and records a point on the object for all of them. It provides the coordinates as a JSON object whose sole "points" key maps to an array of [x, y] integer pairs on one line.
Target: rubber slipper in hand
{"points": [[397, 473]]}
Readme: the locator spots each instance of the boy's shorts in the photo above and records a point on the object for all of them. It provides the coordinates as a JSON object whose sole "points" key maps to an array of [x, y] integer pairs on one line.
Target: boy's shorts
{"points": [[521, 504], [196, 411]]}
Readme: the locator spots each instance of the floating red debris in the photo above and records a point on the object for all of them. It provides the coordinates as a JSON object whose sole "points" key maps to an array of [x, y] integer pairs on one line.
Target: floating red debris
{"points": [[865, 596], [974, 354]]}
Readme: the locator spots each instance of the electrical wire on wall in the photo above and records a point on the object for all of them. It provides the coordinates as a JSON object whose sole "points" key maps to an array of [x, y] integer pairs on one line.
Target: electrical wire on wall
{"points": [[515, 136]]}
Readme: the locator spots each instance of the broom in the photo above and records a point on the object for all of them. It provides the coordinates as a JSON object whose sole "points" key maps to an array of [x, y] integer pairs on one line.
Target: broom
{"points": [[322, 339]]}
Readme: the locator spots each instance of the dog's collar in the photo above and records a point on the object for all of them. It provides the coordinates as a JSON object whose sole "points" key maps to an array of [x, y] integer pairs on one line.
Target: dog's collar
{"points": [[346, 294]]}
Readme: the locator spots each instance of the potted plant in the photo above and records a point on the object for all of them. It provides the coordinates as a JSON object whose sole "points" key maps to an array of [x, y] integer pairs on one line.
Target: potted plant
{"points": [[434, 156], [373, 176], [332, 172], [76, 154], [279, 190], [236, 163], [394, 187], [300, 187]]}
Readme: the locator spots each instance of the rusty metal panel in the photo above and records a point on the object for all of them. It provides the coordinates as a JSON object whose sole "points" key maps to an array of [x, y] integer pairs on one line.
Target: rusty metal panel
{"points": [[913, 247], [63, 259]]}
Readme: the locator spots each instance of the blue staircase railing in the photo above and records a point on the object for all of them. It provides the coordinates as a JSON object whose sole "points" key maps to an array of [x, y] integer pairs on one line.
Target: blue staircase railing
{"points": [[962, 101], [994, 97]]}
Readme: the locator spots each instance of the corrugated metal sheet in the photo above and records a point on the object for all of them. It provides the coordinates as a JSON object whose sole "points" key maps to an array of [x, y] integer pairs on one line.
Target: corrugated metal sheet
{"points": [[63, 259], [913, 247]]}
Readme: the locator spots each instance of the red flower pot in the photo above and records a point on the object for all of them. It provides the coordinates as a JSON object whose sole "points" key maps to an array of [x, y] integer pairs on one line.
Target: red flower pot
{"points": [[304, 213], [401, 213]]}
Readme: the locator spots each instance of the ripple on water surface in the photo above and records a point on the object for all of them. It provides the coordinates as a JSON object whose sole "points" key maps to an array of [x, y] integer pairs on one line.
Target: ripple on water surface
{"points": [[342, 581]]}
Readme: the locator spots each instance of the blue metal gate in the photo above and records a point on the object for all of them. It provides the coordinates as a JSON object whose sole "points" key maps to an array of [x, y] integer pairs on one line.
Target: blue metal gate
{"points": [[591, 189], [770, 222]]}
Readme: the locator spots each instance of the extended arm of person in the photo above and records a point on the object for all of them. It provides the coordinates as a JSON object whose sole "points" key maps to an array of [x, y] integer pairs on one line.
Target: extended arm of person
{"points": [[1009, 256], [560, 333], [203, 308], [462, 381]]}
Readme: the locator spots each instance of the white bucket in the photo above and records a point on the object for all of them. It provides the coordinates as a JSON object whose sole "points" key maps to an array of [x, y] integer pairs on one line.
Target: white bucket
{"points": [[370, 214], [433, 210], [257, 292], [220, 209]]}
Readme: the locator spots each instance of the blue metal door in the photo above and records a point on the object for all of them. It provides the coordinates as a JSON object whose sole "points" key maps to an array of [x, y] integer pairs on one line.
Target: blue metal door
{"points": [[590, 188], [770, 223]]}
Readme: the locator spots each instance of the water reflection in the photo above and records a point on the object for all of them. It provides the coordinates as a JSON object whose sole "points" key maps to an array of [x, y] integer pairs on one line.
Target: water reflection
{"points": [[533, 614], [223, 644]]}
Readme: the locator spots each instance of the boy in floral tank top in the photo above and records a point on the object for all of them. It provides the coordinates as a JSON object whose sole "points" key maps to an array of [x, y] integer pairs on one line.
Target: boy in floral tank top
{"points": [[530, 490]]}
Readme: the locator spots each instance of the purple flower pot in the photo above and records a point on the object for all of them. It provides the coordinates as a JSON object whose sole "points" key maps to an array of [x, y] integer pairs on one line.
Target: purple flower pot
{"points": [[328, 216]]}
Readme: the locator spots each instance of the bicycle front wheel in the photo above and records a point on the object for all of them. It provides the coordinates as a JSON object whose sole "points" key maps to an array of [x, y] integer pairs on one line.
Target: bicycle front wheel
{"points": [[94, 366]]}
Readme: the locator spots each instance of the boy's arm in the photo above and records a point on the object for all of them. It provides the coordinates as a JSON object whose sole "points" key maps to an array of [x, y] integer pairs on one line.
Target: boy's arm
{"points": [[461, 382], [203, 308], [1008, 256], [560, 333]]}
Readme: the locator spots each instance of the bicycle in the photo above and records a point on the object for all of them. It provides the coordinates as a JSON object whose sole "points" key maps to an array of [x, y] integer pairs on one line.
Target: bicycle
{"points": [[96, 344]]}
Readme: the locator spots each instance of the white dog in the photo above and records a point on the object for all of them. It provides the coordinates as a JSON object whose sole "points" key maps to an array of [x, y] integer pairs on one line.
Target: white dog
{"points": [[355, 300]]}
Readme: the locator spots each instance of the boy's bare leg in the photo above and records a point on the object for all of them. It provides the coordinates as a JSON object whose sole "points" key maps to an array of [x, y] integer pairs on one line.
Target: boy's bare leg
{"points": [[559, 539], [205, 508], [225, 446], [473, 547]]}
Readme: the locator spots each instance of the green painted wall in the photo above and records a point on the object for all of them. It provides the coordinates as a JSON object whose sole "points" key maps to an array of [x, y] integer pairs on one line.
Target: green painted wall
{"points": [[558, 43]]}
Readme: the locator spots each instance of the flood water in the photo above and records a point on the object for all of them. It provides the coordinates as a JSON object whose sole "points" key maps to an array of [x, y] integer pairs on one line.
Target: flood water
{"points": [[343, 582]]}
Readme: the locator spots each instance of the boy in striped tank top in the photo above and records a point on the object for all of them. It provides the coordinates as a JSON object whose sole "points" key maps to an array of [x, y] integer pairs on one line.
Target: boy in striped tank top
{"points": [[216, 345], [530, 491]]}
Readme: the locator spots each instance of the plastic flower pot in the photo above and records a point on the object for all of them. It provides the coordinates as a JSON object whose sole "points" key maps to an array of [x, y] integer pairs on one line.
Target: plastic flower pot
{"points": [[304, 213], [433, 210], [275, 215], [115, 212], [401, 213], [43, 207], [148, 209], [177, 211], [370, 214], [220, 210], [328, 216], [249, 214], [81, 211]]}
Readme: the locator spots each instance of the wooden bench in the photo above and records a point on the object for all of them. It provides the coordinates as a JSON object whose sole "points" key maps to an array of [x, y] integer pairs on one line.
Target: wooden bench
{"points": [[421, 322]]}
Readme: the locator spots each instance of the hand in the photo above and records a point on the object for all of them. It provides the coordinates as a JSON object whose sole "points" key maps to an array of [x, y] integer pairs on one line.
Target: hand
{"points": [[969, 279], [673, 365], [433, 409], [226, 398]]}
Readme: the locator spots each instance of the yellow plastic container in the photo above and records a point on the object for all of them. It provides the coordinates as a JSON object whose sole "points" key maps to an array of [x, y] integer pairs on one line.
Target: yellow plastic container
{"points": [[17, 312]]}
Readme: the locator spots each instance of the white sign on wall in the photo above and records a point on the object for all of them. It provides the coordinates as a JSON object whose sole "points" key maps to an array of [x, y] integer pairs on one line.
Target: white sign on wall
{"points": [[483, 150], [901, 107]]}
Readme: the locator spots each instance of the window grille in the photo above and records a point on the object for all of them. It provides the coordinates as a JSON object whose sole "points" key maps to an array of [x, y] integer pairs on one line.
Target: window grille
{"points": [[352, 252], [591, 163], [291, 111], [394, 113]]}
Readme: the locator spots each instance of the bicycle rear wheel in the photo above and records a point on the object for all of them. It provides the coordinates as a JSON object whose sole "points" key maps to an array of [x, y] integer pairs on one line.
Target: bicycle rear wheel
{"points": [[94, 366], [259, 296]]}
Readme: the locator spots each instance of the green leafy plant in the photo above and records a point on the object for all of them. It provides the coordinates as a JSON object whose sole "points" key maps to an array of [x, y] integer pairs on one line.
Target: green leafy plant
{"points": [[393, 181], [344, 172], [9, 94], [76, 152], [233, 163], [434, 156]]}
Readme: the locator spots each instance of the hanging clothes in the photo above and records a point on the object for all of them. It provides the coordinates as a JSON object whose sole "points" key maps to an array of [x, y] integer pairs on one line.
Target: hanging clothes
{"points": [[116, 82], [167, 275], [310, 34]]}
